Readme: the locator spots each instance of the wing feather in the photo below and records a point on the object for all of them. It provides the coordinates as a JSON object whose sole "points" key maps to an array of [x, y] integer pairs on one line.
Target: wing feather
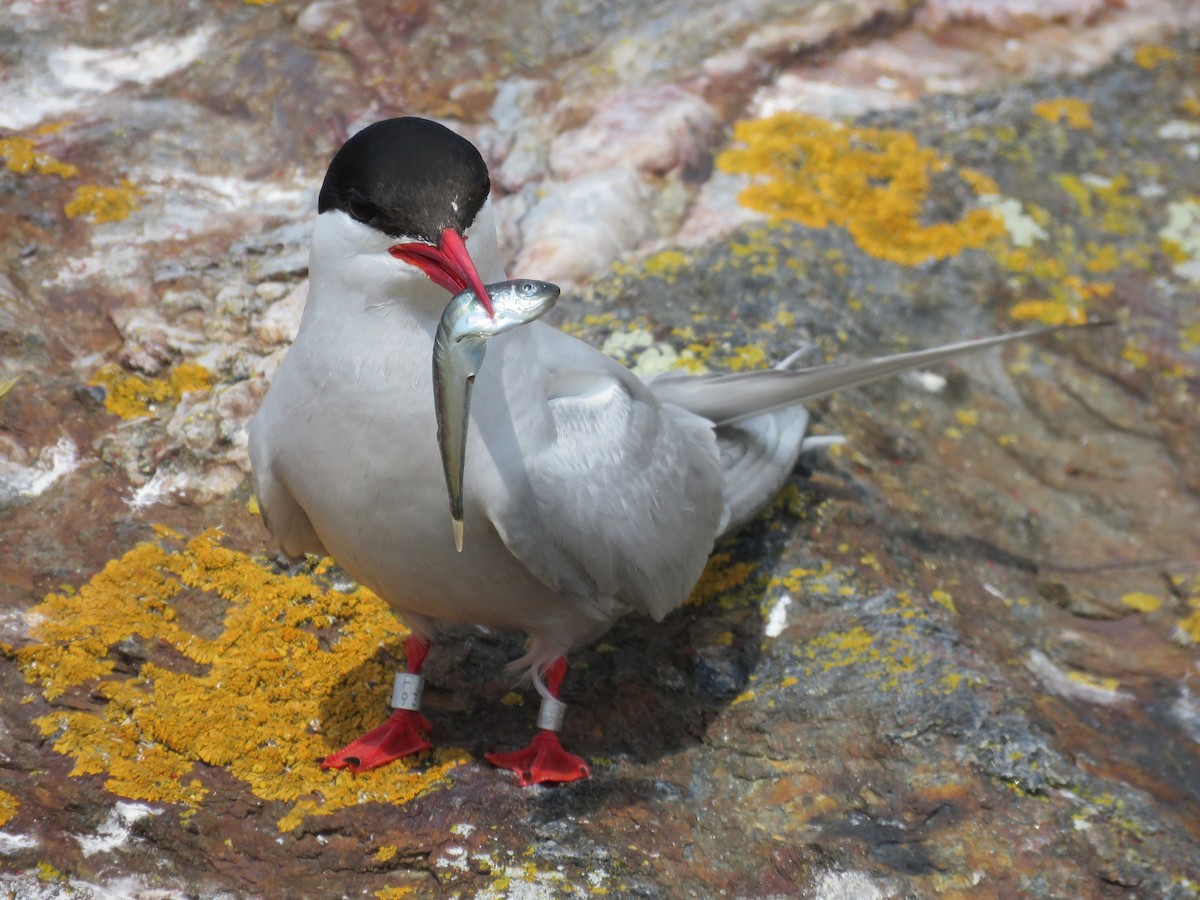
{"points": [[620, 498]]}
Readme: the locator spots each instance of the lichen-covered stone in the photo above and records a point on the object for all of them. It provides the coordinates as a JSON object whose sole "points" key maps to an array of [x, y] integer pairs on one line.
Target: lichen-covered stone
{"points": [[954, 656]]}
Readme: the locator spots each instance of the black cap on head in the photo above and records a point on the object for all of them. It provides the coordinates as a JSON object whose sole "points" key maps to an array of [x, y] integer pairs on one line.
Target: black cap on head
{"points": [[405, 176]]}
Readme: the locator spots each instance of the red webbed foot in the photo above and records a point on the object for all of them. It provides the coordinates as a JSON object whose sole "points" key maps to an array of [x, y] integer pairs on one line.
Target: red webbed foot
{"points": [[403, 734], [544, 760]]}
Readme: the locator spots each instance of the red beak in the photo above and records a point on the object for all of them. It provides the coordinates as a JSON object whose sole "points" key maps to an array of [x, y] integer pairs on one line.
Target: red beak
{"points": [[447, 265]]}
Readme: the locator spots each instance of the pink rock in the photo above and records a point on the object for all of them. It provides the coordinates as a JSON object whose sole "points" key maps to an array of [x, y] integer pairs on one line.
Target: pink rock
{"points": [[654, 130]]}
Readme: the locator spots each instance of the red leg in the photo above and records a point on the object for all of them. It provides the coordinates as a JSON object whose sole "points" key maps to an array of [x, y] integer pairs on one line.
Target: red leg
{"points": [[403, 734], [544, 760]]}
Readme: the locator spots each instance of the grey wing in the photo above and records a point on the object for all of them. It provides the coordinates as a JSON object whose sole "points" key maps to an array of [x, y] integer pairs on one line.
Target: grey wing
{"points": [[283, 516], [622, 505]]}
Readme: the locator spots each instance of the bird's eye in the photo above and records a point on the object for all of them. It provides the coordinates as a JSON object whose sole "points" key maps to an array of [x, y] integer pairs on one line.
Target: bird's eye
{"points": [[362, 209]]}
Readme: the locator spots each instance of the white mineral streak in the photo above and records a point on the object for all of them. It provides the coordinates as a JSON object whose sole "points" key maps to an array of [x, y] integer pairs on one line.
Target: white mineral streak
{"points": [[848, 886], [1059, 682], [116, 830], [73, 74], [777, 617], [51, 464]]}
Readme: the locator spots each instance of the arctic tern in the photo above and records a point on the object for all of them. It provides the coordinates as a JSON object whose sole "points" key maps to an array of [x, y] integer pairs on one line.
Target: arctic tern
{"points": [[590, 492]]}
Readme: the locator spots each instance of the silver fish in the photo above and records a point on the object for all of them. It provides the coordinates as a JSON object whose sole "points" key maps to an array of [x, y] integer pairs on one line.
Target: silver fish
{"points": [[458, 351]]}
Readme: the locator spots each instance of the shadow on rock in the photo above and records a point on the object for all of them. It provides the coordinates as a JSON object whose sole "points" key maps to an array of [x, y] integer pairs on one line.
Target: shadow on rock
{"points": [[644, 690]]}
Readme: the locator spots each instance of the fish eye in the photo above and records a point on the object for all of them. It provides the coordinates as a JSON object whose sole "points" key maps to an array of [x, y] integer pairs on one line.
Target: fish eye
{"points": [[527, 287]]}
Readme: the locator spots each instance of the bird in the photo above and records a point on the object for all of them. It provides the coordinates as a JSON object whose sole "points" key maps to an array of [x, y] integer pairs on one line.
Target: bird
{"points": [[590, 493]]}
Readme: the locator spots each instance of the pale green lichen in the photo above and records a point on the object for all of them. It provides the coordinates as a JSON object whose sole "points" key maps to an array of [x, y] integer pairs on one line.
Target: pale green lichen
{"points": [[1181, 238]]}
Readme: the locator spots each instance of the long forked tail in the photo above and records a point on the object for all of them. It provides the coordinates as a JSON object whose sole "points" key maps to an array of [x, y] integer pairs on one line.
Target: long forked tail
{"points": [[735, 397], [760, 422]]}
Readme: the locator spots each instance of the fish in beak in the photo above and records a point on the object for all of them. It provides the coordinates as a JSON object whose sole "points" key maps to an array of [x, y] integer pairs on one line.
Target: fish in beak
{"points": [[458, 350]]}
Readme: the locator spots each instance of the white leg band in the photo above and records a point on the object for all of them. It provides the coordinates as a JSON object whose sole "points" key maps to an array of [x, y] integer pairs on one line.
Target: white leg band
{"points": [[406, 691], [550, 716]]}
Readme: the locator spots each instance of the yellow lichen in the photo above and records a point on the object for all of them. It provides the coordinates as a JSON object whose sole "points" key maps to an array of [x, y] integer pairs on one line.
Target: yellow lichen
{"points": [[1135, 355], [1048, 312], [253, 700], [890, 656], [1141, 601], [1111, 201], [720, 576], [133, 397], [1072, 111], [386, 853], [944, 599], [8, 807], [665, 264], [1150, 56], [983, 185], [1089, 680], [873, 182], [103, 204], [20, 155], [1190, 625]]}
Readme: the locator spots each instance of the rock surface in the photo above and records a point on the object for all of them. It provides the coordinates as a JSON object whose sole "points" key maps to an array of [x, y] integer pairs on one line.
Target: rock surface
{"points": [[957, 656]]}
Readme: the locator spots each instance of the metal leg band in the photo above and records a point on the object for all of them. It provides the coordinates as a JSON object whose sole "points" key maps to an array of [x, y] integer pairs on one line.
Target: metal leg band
{"points": [[550, 716], [406, 691]]}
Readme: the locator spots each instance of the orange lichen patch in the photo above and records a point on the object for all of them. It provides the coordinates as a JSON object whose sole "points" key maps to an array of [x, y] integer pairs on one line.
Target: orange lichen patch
{"points": [[720, 576], [1048, 312], [1102, 258], [133, 397], [103, 204], [1141, 601], [665, 264], [385, 893], [873, 182], [891, 656], [1069, 294], [1135, 355], [1150, 56], [8, 807], [1190, 625], [1189, 337], [1071, 111], [386, 853], [1112, 200], [981, 184], [1095, 681], [944, 599], [1055, 276], [256, 708], [20, 155]]}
